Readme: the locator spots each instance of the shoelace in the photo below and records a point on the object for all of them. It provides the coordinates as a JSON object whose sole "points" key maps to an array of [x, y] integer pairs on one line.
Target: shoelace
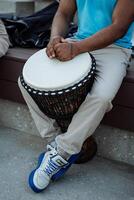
{"points": [[51, 167]]}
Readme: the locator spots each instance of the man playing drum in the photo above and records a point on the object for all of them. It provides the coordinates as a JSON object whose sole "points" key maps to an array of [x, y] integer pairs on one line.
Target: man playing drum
{"points": [[105, 30]]}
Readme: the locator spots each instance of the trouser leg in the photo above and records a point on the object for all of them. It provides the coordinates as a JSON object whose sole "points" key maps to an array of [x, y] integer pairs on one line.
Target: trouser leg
{"points": [[4, 40], [111, 65], [47, 127]]}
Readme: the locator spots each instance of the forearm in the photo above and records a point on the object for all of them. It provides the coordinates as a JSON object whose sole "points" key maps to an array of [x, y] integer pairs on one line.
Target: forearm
{"points": [[101, 39], [60, 25]]}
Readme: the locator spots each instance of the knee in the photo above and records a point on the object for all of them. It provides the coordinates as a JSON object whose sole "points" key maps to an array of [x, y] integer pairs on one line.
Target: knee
{"points": [[19, 83], [101, 100], [4, 45], [106, 101]]}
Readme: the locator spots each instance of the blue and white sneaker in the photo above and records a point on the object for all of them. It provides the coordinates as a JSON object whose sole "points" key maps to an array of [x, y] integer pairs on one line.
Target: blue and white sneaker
{"points": [[51, 166]]}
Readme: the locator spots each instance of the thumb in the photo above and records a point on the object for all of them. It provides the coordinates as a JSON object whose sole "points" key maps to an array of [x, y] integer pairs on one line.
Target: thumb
{"points": [[64, 40]]}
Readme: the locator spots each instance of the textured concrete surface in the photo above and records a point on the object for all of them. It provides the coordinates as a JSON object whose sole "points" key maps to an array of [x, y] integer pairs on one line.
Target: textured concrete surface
{"points": [[99, 179], [18, 8], [40, 4], [6, 7], [113, 143], [16, 116], [22, 7]]}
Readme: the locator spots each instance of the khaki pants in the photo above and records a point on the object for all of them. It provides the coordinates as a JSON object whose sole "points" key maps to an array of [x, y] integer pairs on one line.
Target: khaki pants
{"points": [[112, 63], [4, 40]]}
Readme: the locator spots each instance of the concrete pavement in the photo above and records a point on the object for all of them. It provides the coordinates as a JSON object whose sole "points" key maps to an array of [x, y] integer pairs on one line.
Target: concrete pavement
{"points": [[99, 179]]}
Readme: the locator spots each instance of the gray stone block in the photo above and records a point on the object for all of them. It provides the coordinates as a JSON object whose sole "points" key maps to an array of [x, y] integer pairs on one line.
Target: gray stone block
{"points": [[40, 4], [7, 7], [24, 8], [17, 7], [16, 116]]}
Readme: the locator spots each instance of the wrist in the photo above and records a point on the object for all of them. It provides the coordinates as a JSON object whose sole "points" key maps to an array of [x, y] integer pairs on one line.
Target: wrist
{"points": [[55, 37], [77, 48], [82, 47]]}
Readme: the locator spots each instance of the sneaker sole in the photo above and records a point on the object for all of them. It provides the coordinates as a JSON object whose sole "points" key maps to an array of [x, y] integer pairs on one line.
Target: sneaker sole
{"points": [[31, 176]]}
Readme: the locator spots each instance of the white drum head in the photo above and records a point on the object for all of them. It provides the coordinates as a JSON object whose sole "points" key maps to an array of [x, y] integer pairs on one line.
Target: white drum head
{"points": [[43, 73]]}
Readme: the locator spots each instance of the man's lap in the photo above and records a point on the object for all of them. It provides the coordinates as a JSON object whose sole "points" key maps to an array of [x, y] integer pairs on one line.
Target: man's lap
{"points": [[111, 63]]}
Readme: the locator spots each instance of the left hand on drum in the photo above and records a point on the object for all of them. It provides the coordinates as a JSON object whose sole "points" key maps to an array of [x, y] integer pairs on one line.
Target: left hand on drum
{"points": [[66, 50]]}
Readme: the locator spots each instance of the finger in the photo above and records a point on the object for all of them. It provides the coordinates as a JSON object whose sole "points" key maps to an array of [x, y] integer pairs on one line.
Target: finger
{"points": [[64, 58], [47, 52], [51, 53], [57, 47], [64, 40], [59, 52], [61, 57], [57, 41]]}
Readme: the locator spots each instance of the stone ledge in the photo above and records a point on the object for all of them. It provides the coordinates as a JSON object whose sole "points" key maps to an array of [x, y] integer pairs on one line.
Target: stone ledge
{"points": [[40, 4], [22, 7], [19, 8], [16, 116]]}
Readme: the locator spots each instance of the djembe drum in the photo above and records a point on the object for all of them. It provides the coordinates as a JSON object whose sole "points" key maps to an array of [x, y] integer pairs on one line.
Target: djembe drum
{"points": [[59, 88]]}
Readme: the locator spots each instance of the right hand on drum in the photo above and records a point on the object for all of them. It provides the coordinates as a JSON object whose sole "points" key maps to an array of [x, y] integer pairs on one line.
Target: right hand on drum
{"points": [[51, 45]]}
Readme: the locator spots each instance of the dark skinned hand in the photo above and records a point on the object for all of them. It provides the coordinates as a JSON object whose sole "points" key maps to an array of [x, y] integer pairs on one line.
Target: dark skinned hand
{"points": [[50, 47], [66, 50]]}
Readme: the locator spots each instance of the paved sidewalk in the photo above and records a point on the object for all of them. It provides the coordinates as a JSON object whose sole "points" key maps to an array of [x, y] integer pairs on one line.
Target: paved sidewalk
{"points": [[99, 179]]}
